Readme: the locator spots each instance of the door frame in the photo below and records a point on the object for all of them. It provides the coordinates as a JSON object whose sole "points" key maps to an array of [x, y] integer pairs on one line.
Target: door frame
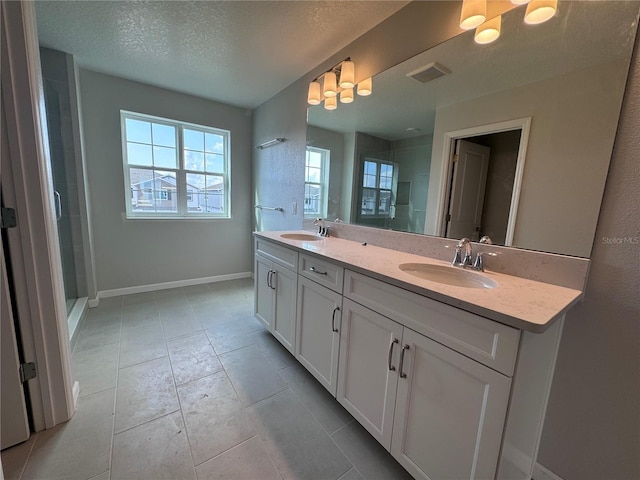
{"points": [[34, 250], [522, 124]]}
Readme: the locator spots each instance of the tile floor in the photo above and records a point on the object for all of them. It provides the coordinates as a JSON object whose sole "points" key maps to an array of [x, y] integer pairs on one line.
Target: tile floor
{"points": [[186, 384]]}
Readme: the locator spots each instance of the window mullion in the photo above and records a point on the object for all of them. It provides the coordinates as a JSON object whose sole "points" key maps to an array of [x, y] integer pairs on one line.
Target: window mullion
{"points": [[181, 177]]}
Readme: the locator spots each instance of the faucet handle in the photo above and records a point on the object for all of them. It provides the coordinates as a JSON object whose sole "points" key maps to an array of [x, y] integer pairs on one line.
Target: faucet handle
{"points": [[478, 264]]}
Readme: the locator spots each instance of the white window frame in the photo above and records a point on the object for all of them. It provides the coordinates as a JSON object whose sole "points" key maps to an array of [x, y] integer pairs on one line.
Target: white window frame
{"points": [[323, 185], [377, 189], [181, 172]]}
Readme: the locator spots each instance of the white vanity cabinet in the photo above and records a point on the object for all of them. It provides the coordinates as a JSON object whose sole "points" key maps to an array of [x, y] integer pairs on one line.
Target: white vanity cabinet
{"points": [[449, 412], [439, 412], [319, 319], [276, 285], [450, 393]]}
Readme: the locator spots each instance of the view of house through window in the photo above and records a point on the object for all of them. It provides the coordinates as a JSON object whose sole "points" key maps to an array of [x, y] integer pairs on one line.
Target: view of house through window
{"points": [[174, 169], [316, 171], [377, 182]]}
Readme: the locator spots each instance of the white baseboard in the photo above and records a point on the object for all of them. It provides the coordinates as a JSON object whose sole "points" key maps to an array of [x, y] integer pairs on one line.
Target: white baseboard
{"points": [[541, 472], [116, 292], [76, 393], [75, 319]]}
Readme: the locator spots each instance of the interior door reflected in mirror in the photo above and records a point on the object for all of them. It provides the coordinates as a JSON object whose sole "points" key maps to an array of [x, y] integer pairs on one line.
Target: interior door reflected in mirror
{"points": [[544, 100]]}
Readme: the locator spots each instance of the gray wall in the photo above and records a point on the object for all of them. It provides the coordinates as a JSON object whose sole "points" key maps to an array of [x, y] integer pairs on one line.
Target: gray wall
{"points": [[592, 430], [142, 252], [592, 425]]}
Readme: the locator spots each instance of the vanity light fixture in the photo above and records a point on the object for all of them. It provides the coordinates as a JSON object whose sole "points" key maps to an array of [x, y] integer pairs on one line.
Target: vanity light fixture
{"points": [[365, 87], [330, 87], [338, 80], [539, 11], [347, 74], [489, 31], [474, 13], [331, 103], [313, 97], [346, 95]]}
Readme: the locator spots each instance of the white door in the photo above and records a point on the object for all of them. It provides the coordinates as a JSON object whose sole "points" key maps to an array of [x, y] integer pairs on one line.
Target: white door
{"points": [[13, 409], [467, 190], [368, 369], [263, 292], [285, 283], [450, 413], [318, 332]]}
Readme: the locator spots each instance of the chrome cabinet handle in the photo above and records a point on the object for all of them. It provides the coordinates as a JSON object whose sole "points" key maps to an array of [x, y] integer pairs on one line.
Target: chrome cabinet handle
{"points": [[269, 278], [313, 269], [333, 319], [273, 275], [402, 374], [391, 367], [58, 205]]}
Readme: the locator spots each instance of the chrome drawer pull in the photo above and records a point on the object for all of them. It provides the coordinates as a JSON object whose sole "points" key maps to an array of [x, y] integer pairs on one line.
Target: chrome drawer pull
{"points": [[313, 269], [391, 367]]}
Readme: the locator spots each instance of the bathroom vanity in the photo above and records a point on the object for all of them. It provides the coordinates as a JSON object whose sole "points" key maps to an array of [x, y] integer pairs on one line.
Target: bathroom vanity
{"points": [[449, 371]]}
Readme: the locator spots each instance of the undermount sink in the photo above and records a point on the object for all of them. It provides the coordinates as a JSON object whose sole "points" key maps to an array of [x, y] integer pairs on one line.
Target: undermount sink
{"points": [[301, 236], [448, 275]]}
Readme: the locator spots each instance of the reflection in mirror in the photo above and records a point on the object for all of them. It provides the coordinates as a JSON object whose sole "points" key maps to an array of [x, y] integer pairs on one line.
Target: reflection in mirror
{"points": [[510, 140]]}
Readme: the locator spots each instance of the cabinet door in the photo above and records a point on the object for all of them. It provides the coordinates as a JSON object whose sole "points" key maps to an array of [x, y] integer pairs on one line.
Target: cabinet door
{"points": [[317, 332], [450, 413], [366, 384], [284, 316], [262, 291]]}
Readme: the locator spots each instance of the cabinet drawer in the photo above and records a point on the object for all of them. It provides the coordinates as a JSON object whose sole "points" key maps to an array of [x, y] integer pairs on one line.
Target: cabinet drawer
{"points": [[324, 273], [488, 342], [281, 255]]}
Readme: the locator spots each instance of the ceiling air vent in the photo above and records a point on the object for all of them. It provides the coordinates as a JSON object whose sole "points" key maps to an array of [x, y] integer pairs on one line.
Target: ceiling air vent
{"points": [[429, 72]]}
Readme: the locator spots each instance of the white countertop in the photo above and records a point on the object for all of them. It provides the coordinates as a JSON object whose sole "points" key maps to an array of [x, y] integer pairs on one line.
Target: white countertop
{"points": [[518, 302]]}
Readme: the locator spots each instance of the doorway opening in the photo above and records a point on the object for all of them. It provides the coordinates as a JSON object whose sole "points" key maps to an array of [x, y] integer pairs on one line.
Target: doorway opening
{"points": [[483, 179]]}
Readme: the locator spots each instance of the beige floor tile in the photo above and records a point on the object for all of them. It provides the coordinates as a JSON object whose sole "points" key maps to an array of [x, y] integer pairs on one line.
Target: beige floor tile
{"points": [[142, 343], [14, 459], [98, 332], [156, 450], [78, 449], [96, 369], [252, 375], [145, 392], [351, 475], [103, 476], [248, 461], [179, 322], [316, 398], [298, 445], [215, 418], [367, 455], [192, 357]]}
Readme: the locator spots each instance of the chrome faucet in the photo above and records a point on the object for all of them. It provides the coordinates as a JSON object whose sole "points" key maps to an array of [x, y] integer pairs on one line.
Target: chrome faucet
{"points": [[323, 230], [458, 259]]}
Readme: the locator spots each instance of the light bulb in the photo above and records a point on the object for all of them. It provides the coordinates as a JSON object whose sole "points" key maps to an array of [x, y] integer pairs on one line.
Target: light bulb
{"points": [[330, 88], [331, 103], [539, 11], [520, 2], [474, 13], [365, 87], [313, 98], [489, 31], [347, 74]]}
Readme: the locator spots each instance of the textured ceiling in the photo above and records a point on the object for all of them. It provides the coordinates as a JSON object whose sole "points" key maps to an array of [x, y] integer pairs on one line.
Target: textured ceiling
{"points": [[237, 52]]}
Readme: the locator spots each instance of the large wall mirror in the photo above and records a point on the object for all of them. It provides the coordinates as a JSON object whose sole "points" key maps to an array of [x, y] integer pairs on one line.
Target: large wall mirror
{"points": [[513, 141]]}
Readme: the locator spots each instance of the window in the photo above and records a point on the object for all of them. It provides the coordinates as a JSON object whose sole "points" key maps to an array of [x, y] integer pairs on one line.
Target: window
{"points": [[316, 172], [174, 169], [377, 183]]}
